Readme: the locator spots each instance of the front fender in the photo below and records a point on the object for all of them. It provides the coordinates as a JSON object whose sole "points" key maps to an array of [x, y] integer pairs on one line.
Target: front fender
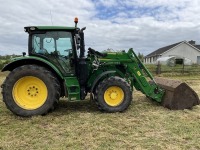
{"points": [[32, 60], [99, 77]]}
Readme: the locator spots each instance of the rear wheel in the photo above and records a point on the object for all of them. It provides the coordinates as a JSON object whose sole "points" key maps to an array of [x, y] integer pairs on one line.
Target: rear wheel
{"points": [[113, 95], [31, 90]]}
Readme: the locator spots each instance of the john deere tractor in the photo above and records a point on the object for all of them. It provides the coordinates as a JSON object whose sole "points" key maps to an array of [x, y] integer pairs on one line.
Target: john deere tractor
{"points": [[56, 66]]}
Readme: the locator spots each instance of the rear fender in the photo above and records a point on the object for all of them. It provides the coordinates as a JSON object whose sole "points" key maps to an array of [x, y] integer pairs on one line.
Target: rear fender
{"points": [[40, 62], [32, 60]]}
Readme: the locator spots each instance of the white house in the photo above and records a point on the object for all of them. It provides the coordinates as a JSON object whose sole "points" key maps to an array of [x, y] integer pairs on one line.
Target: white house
{"points": [[181, 51]]}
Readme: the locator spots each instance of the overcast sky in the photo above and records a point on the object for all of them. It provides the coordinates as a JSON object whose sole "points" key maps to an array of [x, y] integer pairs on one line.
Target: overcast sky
{"points": [[144, 25]]}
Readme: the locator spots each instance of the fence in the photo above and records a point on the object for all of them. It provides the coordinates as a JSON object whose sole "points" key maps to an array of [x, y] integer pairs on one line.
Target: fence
{"points": [[178, 69]]}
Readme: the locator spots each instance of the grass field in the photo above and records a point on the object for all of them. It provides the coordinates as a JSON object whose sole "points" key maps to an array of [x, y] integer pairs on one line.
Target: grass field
{"points": [[79, 125]]}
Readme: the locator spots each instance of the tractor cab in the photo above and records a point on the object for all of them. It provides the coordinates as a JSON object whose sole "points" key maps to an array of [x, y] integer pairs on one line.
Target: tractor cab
{"points": [[59, 45], [55, 44]]}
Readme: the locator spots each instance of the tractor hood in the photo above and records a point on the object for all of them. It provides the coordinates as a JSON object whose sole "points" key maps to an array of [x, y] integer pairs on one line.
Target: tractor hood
{"points": [[115, 57]]}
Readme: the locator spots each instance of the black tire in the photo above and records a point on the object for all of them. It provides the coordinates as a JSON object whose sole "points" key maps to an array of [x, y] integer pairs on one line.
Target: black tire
{"points": [[103, 90], [19, 89]]}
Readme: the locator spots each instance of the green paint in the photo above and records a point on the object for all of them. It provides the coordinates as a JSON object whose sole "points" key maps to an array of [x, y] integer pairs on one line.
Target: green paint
{"points": [[73, 88]]}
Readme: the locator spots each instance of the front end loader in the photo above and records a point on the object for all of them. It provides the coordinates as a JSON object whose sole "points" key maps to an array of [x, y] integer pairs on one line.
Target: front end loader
{"points": [[56, 66]]}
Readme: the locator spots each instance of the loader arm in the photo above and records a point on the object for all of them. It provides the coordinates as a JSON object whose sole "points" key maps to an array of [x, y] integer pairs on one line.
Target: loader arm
{"points": [[140, 75], [172, 94]]}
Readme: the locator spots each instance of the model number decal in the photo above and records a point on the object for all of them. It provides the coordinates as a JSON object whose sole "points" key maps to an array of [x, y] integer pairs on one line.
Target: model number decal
{"points": [[138, 72]]}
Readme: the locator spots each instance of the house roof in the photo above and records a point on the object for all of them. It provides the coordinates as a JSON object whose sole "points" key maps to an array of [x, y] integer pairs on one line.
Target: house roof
{"points": [[162, 50], [197, 46], [166, 48]]}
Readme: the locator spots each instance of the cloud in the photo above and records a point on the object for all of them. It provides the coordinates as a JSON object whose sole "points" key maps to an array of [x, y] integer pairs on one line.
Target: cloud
{"points": [[145, 25]]}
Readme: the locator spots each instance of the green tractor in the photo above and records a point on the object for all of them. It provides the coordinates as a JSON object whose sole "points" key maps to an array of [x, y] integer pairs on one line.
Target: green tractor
{"points": [[56, 66]]}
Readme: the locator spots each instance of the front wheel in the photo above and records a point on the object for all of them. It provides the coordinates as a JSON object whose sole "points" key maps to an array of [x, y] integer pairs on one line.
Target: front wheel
{"points": [[30, 90], [113, 95]]}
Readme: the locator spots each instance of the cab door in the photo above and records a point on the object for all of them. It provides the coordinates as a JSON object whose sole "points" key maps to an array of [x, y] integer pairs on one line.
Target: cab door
{"points": [[57, 47]]}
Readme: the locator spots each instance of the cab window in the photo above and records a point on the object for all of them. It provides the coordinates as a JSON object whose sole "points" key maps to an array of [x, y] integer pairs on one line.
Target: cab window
{"points": [[55, 42]]}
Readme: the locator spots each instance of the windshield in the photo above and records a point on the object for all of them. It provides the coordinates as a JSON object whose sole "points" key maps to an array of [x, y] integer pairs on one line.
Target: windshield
{"points": [[55, 42]]}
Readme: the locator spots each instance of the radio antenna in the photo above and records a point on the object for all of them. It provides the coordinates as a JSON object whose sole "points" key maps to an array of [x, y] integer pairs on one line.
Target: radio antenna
{"points": [[51, 18]]}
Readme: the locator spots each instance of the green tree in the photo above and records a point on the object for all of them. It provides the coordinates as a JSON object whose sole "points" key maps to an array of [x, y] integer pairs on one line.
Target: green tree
{"points": [[141, 56], [111, 50]]}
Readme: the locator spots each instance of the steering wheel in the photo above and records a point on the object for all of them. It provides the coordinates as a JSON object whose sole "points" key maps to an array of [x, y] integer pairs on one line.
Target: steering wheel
{"points": [[43, 51]]}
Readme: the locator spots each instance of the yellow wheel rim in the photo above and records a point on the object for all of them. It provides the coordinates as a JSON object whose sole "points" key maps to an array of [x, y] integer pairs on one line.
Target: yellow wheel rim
{"points": [[114, 96], [30, 92]]}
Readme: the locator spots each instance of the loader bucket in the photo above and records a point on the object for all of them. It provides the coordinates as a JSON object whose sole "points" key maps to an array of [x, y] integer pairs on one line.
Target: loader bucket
{"points": [[178, 95]]}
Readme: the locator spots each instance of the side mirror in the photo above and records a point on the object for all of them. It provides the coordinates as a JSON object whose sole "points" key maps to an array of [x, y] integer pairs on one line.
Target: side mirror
{"points": [[78, 39]]}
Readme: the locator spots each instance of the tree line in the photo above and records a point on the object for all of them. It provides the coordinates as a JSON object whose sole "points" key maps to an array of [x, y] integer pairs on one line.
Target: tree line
{"points": [[6, 59]]}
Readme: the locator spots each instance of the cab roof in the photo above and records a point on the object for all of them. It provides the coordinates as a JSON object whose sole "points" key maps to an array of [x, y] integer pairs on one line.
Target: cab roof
{"points": [[35, 28]]}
